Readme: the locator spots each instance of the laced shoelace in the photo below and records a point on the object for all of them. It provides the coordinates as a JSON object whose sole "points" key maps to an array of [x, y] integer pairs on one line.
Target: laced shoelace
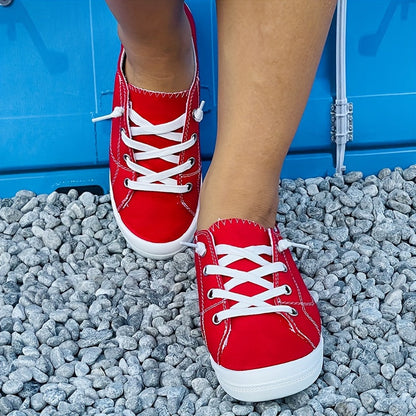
{"points": [[148, 179], [247, 305]]}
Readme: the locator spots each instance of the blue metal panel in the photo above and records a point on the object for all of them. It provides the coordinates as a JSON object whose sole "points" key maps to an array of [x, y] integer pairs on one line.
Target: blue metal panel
{"points": [[58, 59], [45, 181], [381, 84], [45, 106], [381, 74]]}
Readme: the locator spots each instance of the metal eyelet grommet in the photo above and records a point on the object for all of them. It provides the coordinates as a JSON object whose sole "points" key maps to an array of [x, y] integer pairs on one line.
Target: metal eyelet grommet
{"points": [[294, 312], [126, 157], [210, 294], [189, 186], [288, 290], [285, 269], [126, 182], [192, 160], [215, 319], [204, 271], [194, 137]]}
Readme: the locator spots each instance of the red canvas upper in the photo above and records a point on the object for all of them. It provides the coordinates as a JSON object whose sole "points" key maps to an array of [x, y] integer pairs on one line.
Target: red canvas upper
{"points": [[256, 341], [156, 217]]}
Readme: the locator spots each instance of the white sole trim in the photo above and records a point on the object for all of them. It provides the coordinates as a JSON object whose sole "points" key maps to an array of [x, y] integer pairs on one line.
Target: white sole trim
{"points": [[156, 251], [273, 382]]}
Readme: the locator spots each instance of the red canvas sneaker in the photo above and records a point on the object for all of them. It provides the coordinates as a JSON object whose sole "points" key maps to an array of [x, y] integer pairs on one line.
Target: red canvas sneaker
{"points": [[261, 326], [155, 165]]}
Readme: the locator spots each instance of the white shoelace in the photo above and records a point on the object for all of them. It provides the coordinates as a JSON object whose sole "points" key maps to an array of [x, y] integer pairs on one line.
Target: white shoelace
{"points": [[247, 305], [147, 180]]}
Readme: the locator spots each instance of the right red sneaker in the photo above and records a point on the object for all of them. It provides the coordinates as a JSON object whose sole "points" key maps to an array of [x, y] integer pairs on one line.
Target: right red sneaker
{"points": [[155, 164], [261, 326]]}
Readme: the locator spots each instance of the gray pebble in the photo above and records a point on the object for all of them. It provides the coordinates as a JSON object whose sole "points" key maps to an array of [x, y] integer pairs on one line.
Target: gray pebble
{"points": [[39, 375], [409, 174], [127, 343], [406, 331], [53, 396], [66, 370], [51, 239], [242, 410], [199, 385], [12, 386], [353, 176], [271, 411], [5, 406], [114, 390], [90, 355], [56, 357], [306, 411], [364, 383], [207, 411], [151, 377], [148, 397], [23, 374], [10, 214], [81, 369], [339, 234]]}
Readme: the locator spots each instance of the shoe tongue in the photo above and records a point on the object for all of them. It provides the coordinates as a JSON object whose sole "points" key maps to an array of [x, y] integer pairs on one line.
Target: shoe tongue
{"points": [[239, 233], [158, 107]]}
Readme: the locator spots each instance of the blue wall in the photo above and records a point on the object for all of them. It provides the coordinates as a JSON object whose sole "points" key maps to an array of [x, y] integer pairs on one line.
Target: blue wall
{"points": [[57, 63]]}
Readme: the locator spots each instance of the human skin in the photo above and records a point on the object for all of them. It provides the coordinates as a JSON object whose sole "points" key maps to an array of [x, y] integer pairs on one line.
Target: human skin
{"points": [[268, 53]]}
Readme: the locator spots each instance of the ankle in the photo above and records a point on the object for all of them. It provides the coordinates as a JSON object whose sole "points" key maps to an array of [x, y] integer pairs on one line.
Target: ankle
{"points": [[222, 200], [167, 74], [206, 219], [161, 62]]}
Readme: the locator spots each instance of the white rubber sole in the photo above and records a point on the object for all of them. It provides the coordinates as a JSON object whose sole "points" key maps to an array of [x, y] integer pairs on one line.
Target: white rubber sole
{"points": [[156, 251], [273, 382]]}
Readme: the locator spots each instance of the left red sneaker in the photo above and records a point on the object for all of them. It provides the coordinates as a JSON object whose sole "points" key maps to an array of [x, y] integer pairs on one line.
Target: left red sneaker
{"points": [[155, 163], [261, 326]]}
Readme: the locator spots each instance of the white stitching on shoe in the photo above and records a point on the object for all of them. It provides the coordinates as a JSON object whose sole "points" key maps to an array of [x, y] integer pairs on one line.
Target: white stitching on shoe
{"points": [[192, 92], [302, 304], [227, 323]]}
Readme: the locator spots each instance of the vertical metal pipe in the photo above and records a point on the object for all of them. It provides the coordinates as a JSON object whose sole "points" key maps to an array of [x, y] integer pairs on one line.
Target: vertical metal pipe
{"points": [[342, 109], [341, 81]]}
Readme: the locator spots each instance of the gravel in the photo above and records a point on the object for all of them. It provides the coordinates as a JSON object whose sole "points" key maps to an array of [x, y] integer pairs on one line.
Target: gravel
{"points": [[88, 327]]}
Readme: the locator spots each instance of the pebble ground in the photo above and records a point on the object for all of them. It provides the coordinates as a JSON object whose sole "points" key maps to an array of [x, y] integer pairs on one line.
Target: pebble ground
{"points": [[87, 327]]}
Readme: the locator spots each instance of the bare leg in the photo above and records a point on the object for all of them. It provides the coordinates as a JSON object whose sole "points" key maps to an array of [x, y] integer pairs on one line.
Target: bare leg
{"points": [[157, 39], [268, 54]]}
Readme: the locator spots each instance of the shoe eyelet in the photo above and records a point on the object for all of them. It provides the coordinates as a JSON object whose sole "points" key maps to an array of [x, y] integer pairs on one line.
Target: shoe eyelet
{"points": [[126, 157], [189, 186], [210, 294], [215, 319], [204, 271], [285, 269], [126, 182], [288, 290], [192, 160], [194, 137], [294, 312]]}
